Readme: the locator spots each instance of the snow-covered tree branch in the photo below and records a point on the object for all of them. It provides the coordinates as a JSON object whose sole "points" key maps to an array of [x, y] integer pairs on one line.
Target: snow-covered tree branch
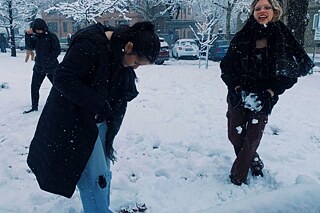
{"points": [[14, 14], [88, 10], [148, 9]]}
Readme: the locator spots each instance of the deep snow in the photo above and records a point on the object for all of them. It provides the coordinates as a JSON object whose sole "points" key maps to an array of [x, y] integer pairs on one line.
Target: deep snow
{"points": [[173, 151]]}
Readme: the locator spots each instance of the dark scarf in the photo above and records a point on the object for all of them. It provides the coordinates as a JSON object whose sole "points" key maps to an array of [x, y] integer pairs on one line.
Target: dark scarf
{"points": [[287, 56]]}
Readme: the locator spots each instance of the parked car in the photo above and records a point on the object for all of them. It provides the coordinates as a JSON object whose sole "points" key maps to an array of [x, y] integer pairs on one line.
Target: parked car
{"points": [[218, 50], [185, 48], [63, 43], [164, 52]]}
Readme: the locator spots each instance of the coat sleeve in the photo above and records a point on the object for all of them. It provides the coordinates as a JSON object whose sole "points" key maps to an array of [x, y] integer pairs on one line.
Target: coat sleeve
{"points": [[114, 122], [72, 74], [282, 83], [119, 105], [30, 44], [296, 62], [231, 66], [303, 62], [55, 49]]}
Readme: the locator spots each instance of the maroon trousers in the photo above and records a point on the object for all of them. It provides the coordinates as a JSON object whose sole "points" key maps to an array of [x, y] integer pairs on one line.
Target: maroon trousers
{"points": [[245, 129]]}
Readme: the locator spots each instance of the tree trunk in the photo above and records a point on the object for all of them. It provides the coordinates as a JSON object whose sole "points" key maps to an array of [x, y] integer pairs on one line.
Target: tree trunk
{"points": [[297, 18], [228, 20], [13, 42]]}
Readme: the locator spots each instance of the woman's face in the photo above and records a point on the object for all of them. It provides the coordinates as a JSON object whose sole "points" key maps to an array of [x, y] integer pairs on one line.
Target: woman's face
{"points": [[39, 31], [132, 60], [263, 12]]}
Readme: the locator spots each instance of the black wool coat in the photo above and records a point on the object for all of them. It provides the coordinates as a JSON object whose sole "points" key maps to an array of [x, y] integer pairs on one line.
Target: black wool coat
{"points": [[287, 60], [47, 49], [67, 131]]}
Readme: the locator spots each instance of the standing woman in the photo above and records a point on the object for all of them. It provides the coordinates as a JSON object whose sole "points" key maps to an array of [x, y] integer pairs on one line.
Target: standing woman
{"points": [[72, 145], [263, 60]]}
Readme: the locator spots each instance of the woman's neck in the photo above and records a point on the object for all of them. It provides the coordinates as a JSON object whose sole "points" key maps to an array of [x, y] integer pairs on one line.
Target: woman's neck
{"points": [[109, 34]]}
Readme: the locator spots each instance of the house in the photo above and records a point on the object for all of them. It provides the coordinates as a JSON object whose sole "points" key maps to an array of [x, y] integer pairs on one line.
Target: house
{"points": [[171, 28]]}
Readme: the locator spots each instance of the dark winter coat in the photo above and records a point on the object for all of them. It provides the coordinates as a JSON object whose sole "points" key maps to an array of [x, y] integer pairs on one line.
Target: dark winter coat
{"points": [[46, 45], [67, 131], [285, 60]]}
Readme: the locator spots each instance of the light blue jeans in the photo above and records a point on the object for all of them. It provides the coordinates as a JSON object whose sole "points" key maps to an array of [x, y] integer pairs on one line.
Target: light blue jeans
{"points": [[94, 184]]}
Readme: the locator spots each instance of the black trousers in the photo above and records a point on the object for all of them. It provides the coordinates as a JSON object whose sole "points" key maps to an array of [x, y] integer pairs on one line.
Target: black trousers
{"points": [[37, 78], [245, 130]]}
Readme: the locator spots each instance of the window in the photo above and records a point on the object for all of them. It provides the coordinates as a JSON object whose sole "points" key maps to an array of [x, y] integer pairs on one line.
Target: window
{"points": [[190, 34], [118, 23], [65, 26], [189, 11], [53, 27]]}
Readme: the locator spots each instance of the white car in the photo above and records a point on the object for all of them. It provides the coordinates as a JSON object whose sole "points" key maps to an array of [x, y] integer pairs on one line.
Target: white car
{"points": [[185, 48], [63, 43]]}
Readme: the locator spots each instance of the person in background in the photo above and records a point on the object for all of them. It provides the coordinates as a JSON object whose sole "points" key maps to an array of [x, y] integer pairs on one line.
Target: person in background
{"points": [[73, 142], [47, 47], [69, 35], [263, 60], [3, 43]]}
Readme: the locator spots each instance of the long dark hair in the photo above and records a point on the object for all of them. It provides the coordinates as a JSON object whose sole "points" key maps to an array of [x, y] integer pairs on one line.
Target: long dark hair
{"points": [[145, 41]]}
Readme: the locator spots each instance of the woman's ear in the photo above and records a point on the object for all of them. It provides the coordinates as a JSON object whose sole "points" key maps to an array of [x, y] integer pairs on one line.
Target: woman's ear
{"points": [[128, 48]]}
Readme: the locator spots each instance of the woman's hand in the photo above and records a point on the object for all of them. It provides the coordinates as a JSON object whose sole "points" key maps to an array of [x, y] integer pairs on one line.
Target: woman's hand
{"points": [[271, 92], [28, 54], [29, 31]]}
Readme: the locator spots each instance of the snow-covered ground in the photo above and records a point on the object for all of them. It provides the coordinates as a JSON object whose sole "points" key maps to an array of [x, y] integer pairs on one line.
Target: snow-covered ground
{"points": [[173, 151]]}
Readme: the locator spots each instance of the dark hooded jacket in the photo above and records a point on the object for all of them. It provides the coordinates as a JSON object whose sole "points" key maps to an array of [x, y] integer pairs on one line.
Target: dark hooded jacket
{"points": [[46, 45], [285, 60], [84, 86]]}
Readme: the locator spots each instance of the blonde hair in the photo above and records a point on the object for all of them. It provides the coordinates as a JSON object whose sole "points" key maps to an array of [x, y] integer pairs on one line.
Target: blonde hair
{"points": [[275, 6]]}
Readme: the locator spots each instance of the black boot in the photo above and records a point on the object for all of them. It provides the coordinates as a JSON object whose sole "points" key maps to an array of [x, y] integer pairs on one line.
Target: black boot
{"points": [[257, 166], [31, 110], [236, 181]]}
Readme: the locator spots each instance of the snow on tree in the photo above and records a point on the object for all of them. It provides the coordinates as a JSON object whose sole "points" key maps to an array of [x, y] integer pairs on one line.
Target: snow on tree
{"points": [[229, 10], [86, 11], [208, 14], [226, 11], [14, 14], [205, 37], [148, 9], [173, 7], [233, 9]]}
